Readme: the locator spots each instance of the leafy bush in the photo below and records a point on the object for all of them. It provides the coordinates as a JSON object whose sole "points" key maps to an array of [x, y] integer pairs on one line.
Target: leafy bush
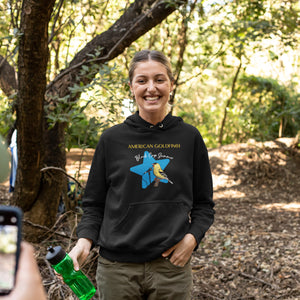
{"points": [[268, 109]]}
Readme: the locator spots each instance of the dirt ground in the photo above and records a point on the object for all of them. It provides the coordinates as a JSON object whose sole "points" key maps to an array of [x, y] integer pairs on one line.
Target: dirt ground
{"points": [[252, 251]]}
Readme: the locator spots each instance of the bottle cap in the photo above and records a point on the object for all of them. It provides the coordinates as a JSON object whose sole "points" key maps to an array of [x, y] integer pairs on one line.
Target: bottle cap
{"points": [[55, 255]]}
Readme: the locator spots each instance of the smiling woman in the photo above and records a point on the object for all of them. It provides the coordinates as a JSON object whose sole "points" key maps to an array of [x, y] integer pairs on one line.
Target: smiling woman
{"points": [[148, 199]]}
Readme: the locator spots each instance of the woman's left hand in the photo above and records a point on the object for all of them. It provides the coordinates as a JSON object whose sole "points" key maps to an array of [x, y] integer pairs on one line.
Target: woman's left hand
{"points": [[182, 251]]}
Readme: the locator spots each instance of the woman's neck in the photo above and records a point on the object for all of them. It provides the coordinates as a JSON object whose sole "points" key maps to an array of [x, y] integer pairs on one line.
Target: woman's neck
{"points": [[153, 118]]}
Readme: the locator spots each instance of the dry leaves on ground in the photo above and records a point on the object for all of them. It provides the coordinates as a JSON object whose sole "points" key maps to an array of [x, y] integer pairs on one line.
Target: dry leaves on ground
{"points": [[253, 249]]}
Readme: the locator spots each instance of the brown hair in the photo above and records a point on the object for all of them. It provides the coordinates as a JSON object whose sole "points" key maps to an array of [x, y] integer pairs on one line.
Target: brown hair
{"points": [[146, 55]]}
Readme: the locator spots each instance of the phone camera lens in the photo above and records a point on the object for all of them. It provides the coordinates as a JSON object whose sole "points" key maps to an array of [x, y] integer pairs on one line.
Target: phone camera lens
{"points": [[1, 219], [13, 220]]}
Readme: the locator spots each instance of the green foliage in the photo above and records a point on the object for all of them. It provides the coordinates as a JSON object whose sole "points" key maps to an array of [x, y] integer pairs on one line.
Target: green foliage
{"points": [[84, 122], [267, 106], [203, 120], [220, 35], [263, 109], [9, 28], [74, 24], [83, 132], [7, 118], [230, 33]]}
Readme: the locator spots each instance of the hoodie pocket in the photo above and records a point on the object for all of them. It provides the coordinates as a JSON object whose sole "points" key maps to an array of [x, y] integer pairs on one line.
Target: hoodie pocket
{"points": [[150, 224]]}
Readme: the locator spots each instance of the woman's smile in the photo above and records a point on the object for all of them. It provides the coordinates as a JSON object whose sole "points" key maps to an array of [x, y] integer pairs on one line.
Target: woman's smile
{"points": [[152, 98]]}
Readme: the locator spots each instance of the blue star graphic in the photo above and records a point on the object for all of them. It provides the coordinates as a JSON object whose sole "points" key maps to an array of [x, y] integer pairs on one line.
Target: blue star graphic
{"points": [[146, 171]]}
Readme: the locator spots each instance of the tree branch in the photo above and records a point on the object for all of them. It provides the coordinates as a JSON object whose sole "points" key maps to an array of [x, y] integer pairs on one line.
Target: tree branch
{"points": [[48, 230], [63, 171], [182, 41], [59, 6], [139, 18], [229, 101], [247, 276]]}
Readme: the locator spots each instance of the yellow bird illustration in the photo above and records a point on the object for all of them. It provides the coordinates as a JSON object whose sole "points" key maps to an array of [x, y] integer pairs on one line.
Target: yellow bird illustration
{"points": [[159, 173]]}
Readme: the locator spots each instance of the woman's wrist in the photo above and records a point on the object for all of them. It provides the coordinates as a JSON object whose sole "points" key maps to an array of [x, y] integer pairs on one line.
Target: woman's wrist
{"points": [[85, 243], [192, 240]]}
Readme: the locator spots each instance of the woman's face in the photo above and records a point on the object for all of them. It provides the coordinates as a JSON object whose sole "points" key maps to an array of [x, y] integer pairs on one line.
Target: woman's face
{"points": [[151, 87]]}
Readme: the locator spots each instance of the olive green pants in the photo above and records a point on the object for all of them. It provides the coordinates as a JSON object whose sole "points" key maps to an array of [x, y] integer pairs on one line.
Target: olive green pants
{"points": [[155, 280]]}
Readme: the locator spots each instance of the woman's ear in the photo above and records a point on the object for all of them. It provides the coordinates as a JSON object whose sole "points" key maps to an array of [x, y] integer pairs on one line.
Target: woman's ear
{"points": [[131, 90], [130, 86], [172, 86]]}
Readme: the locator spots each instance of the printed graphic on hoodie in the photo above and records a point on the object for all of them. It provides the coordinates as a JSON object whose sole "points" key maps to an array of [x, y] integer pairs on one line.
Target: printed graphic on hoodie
{"points": [[152, 170]]}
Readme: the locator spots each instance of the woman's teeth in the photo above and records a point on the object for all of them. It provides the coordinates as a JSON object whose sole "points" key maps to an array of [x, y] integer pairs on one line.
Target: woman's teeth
{"points": [[151, 98]]}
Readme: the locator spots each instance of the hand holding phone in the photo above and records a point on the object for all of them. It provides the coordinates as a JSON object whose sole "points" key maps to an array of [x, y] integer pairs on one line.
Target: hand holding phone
{"points": [[10, 238], [28, 282], [19, 279]]}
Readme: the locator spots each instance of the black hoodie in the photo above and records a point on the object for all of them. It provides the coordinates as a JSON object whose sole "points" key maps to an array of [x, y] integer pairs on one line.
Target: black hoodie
{"points": [[148, 186]]}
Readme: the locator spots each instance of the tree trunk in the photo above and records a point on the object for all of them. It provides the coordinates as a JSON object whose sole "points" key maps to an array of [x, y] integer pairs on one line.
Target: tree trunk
{"points": [[32, 65], [38, 146], [182, 42], [229, 102]]}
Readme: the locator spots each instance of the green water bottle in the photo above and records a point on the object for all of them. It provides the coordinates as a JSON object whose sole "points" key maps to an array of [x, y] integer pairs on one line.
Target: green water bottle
{"points": [[76, 280]]}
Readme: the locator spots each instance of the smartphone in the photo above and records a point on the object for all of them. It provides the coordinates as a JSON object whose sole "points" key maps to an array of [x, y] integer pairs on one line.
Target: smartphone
{"points": [[10, 240]]}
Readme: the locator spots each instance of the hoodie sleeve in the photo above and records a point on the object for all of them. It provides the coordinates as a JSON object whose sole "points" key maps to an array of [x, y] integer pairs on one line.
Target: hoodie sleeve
{"points": [[202, 213], [93, 202]]}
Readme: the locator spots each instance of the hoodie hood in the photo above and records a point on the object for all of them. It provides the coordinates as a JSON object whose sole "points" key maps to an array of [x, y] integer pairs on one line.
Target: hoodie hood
{"points": [[137, 122]]}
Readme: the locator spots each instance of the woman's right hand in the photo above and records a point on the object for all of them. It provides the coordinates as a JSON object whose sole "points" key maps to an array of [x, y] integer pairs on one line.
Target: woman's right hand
{"points": [[80, 252]]}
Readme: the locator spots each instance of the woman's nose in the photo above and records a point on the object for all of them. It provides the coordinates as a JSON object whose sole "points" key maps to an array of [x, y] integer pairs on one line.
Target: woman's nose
{"points": [[151, 86]]}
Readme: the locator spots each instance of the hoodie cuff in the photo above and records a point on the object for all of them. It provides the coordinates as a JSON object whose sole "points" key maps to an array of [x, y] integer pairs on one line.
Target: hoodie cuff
{"points": [[197, 236]]}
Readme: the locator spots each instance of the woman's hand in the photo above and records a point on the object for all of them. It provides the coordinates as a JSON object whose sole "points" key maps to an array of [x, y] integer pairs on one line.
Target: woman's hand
{"points": [[182, 251], [80, 252]]}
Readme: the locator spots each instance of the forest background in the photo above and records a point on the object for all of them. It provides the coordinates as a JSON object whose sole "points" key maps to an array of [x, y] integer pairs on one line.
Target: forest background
{"points": [[236, 66], [64, 79]]}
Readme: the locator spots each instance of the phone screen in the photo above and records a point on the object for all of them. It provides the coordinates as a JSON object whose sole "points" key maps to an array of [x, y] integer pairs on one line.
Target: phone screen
{"points": [[9, 249]]}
